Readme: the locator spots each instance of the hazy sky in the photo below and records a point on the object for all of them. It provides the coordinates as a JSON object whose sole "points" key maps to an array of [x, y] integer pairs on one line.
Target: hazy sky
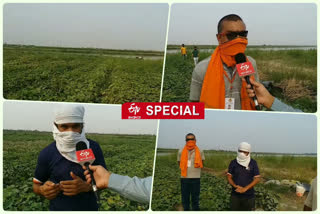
{"points": [[271, 24], [114, 26], [266, 132], [98, 118]]}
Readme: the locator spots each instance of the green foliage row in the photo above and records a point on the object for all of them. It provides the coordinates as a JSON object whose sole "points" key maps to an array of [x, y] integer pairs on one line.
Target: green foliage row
{"points": [[214, 193], [85, 50], [130, 155], [56, 76], [279, 167]]}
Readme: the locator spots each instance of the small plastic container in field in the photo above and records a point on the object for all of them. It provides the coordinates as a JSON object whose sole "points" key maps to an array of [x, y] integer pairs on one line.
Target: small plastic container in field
{"points": [[300, 190]]}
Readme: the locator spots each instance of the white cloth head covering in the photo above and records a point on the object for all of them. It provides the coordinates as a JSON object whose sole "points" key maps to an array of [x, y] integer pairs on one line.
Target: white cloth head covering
{"points": [[242, 159], [244, 146], [69, 114], [66, 141]]}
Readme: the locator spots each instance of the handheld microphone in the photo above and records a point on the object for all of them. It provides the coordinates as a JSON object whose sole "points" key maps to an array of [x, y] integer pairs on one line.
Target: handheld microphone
{"points": [[245, 69], [86, 157]]}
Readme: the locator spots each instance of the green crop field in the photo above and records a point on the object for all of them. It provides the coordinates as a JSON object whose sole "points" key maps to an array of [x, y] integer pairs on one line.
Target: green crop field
{"points": [[81, 74], [293, 73], [130, 155], [215, 190]]}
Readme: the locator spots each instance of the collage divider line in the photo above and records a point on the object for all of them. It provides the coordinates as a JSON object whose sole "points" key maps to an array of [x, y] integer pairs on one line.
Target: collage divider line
{"points": [[158, 126]]}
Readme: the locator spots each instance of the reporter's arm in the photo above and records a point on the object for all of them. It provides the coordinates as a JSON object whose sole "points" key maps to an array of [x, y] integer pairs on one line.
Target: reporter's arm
{"points": [[136, 189], [277, 105], [266, 99]]}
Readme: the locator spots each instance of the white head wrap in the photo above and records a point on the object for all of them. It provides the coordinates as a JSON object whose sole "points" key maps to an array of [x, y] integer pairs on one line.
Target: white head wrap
{"points": [[242, 159], [66, 141], [69, 114]]}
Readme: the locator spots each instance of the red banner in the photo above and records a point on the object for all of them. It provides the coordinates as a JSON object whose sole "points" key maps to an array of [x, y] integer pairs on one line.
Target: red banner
{"points": [[169, 110]]}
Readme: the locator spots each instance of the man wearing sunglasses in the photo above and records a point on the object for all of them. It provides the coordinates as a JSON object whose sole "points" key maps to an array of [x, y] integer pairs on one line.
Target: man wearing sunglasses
{"points": [[214, 80], [243, 174], [190, 161]]}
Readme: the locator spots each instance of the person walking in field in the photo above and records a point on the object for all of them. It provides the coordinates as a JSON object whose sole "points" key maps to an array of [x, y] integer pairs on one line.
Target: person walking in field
{"points": [[58, 175], [190, 161], [183, 51], [195, 55], [243, 174]]}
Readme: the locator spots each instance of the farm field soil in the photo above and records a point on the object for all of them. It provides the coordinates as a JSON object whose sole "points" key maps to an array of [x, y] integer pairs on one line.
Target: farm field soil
{"points": [[293, 74], [130, 155], [80, 75]]}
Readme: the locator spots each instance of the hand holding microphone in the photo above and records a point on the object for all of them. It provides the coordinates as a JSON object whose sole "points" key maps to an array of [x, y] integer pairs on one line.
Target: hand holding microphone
{"points": [[245, 69], [86, 157], [101, 176], [263, 95]]}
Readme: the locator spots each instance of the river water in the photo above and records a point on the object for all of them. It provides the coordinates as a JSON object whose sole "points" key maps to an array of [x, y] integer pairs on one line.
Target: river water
{"points": [[172, 51]]}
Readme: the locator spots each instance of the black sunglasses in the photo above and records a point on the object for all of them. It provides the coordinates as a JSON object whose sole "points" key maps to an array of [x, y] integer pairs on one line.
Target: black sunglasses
{"points": [[234, 35], [189, 139]]}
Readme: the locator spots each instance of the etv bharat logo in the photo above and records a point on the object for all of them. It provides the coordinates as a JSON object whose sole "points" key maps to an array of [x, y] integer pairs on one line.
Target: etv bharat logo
{"points": [[84, 153], [244, 67], [134, 109]]}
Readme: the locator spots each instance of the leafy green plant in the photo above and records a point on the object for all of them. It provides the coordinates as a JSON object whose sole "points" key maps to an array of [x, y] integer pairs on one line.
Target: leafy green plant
{"points": [[80, 75]]}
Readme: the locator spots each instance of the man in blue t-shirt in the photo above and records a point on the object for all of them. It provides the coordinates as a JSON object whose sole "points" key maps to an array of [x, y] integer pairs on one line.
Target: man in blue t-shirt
{"points": [[243, 175], [58, 176]]}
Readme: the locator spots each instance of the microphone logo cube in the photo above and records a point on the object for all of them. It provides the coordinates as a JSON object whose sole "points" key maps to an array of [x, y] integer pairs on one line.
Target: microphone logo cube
{"points": [[245, 69], [85, 155]]}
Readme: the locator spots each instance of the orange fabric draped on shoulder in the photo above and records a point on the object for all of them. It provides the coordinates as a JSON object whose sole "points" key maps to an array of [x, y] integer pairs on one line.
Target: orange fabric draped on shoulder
{"points": [[190, 145], [213, 87]]}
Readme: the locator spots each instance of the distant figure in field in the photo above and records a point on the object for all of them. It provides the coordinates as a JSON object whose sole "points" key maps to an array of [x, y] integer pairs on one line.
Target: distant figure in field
{"points": [[243, 174], [190, 161], [195, 55], [183, 51], [310, 203]]}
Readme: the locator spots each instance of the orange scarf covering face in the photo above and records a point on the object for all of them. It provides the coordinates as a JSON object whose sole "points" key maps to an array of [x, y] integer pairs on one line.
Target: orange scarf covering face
{"points": [[213, 88], [190, 145]]}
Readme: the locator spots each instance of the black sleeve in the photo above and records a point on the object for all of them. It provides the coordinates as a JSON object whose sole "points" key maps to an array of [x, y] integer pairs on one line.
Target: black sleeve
{"points": [[231, 168], [42, 169], [255, 169]]}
